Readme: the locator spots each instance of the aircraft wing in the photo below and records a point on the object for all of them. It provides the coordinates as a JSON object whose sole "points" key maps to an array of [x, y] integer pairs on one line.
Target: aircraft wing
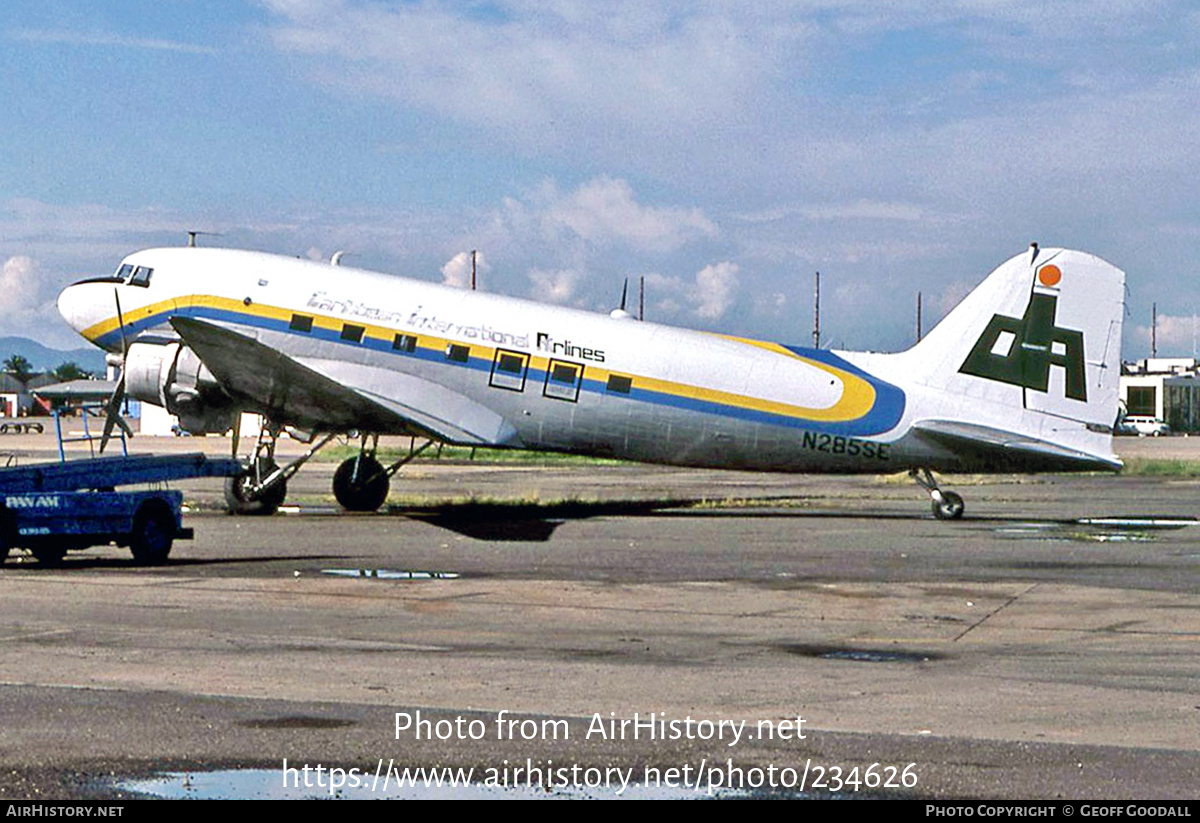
{"points": [[335, 395], [999, 450]]}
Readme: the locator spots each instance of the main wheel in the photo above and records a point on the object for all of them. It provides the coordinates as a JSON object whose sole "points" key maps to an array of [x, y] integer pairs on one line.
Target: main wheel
{"points": [[240, 500], [364, 492], [950, 507], [153, 533]]}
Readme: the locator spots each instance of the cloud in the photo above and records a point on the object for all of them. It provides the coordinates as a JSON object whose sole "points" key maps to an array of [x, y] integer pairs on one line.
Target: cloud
{"points": [[76, 38], [1176, 335], [710, 293], [542, 73], [554, 286], [605, 210], [715, 286], [457, 271], [19, 284]]}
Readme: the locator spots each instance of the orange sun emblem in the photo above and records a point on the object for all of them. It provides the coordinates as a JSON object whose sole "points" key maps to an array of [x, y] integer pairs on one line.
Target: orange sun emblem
{"points": [[1050, 275]]}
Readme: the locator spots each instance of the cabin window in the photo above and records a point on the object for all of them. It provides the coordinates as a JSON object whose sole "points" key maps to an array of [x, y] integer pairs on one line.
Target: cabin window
{"points": [[619, 383], [141, 277], [353, 334], [406, 343], [508, 370], [301, 322], [563, 380], [458, 354]]}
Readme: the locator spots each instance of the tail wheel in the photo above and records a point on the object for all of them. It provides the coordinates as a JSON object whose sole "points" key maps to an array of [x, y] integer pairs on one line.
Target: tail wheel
{"points": [[240, 499], [363, 490], [153, 533]]}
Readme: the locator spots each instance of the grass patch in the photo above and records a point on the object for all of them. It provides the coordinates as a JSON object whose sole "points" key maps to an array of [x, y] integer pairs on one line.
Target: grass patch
{"points": [[1158, 467]]}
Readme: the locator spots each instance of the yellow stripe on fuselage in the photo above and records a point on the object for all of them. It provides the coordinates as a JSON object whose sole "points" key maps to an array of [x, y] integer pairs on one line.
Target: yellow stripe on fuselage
{"points": [[858, 395]]}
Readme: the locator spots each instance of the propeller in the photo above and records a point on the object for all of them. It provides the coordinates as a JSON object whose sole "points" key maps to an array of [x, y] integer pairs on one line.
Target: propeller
{"points": [[112, 411]]}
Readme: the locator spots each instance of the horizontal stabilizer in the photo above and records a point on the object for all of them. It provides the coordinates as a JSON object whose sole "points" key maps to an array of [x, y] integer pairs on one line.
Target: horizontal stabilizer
{"points": [[992, 449]]}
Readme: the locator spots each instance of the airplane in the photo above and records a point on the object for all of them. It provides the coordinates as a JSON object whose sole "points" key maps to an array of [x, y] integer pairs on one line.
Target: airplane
{"points": [[1020, 377]]}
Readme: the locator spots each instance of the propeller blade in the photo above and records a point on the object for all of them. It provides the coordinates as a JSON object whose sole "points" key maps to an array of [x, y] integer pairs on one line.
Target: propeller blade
{"points": [[121, 320], [112, 413]]}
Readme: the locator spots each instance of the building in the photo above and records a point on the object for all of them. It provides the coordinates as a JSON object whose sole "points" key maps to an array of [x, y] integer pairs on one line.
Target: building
{"points": [[1165, 388]]}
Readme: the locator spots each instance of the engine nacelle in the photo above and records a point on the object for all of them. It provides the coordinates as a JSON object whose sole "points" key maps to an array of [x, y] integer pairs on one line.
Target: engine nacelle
{"points": [[171, 375]]}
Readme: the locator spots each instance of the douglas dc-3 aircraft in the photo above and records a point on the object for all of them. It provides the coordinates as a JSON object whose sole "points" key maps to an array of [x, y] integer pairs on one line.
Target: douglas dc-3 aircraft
{"points": [[1020, 376]]}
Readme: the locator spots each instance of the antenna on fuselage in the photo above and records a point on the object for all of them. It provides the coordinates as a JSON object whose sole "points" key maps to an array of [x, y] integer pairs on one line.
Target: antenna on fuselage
{"points": [[192, 235], [619, 312]]}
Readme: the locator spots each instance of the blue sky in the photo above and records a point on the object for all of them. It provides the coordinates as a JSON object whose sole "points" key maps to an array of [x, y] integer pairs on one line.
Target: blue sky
{"points": [[724, 151]]}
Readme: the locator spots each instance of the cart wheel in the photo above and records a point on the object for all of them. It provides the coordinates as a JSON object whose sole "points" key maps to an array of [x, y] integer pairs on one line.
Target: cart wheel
{"points": [[49, 554], [153, 533], [5, 526]]}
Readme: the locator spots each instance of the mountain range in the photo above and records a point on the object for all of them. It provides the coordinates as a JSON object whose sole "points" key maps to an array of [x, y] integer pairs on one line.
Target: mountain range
{"points": [[43, 358]]}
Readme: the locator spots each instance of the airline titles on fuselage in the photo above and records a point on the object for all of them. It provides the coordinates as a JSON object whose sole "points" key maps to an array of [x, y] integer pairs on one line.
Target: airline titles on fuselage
{"points": [[417, 320]]}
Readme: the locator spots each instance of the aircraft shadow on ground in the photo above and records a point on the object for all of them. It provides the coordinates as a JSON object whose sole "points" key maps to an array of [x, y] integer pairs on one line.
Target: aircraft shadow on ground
{"points": [[532, 521]]}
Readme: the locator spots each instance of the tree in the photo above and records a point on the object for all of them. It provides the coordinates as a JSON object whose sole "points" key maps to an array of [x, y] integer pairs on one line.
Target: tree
{"points": [[19, 368], [70, 371]]}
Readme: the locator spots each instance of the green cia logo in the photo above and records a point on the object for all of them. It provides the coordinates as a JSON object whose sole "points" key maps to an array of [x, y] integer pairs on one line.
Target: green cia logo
{"points": [[1036, 345]]}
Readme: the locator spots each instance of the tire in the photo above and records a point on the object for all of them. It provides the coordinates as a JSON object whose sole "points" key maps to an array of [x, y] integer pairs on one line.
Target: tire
{"points": [[49, 554], [153, 533], [950, 507], [238, 499], [6, 532], [360, 496]]}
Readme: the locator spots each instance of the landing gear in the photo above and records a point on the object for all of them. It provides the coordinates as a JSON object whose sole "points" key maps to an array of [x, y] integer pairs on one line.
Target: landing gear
{"points": [[947, 505], [247, 494], [261, 489], [361, 484]]}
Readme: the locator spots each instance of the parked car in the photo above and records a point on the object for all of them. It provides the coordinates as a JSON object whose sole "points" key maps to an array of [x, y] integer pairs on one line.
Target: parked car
{"points": [[1142, 425]]}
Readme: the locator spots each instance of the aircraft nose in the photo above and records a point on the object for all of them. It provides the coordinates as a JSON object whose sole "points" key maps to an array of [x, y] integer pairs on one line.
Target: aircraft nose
{"points": [[82, 306]]}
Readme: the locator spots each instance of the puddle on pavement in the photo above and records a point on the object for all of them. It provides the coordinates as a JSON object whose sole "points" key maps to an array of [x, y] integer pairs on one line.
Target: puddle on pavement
{"points": [[861, 655], [391, 574], [1132, 529], [267, 784]]}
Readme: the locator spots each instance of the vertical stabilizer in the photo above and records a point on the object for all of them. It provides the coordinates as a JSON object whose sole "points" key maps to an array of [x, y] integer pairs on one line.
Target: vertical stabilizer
{"points": [[1034, 350]]}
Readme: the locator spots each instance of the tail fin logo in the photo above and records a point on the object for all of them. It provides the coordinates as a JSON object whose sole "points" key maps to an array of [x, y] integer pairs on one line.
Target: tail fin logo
{"points": [[1020, 351]]}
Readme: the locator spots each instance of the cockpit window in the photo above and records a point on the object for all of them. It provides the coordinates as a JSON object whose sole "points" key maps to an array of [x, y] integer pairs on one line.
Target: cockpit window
{"points": [[124, 272], [141, 276]]}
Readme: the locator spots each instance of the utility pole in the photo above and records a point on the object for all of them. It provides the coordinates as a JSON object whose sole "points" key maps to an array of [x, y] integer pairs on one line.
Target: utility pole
{"points": [[817, 311], [918, 317], [1154, 330]]}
